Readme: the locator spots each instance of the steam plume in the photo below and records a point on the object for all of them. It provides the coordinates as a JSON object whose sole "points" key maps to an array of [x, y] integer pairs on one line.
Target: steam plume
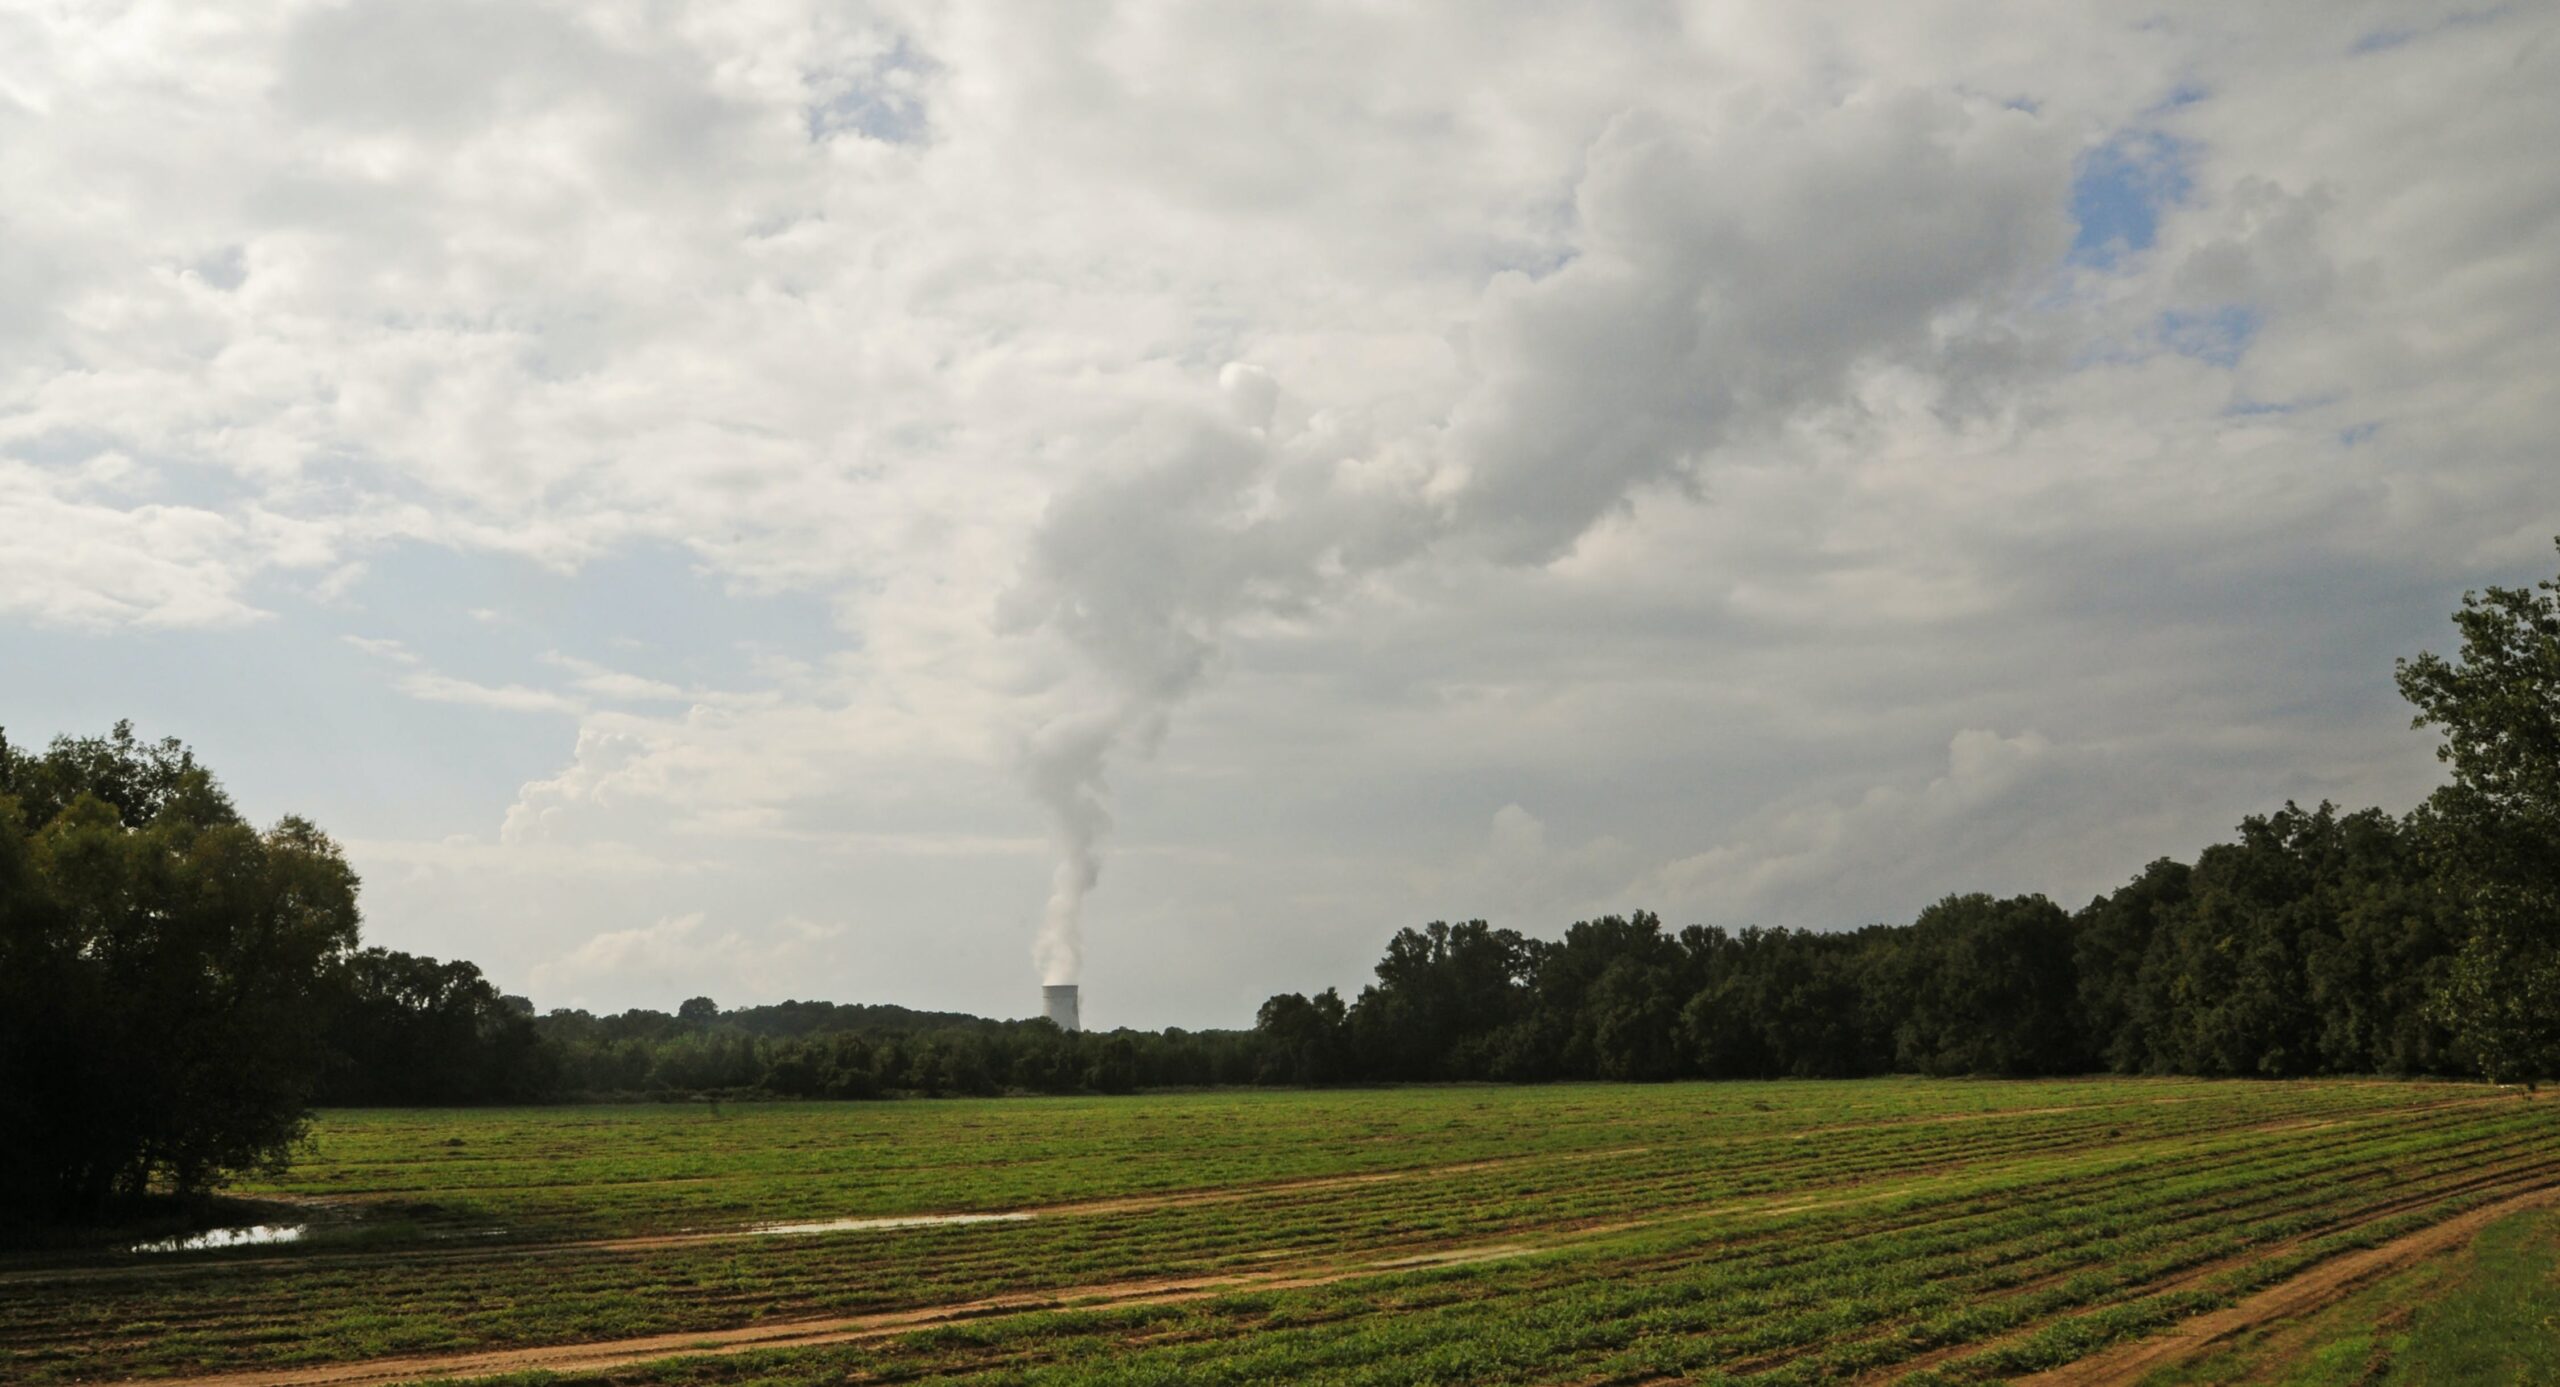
{"points": [[1687, 318], [1065, 763]]}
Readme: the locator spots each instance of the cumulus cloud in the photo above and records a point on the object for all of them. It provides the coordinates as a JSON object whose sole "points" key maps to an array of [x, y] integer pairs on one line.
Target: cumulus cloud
{"points": [[607, 764], [1521, 875]]}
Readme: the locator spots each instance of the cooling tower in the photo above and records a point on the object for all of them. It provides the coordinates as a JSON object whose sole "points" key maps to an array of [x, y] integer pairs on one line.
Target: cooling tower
{"points": [[1058, 1003]]}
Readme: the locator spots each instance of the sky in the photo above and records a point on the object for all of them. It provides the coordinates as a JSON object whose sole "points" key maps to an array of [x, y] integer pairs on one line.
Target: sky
{"points": [[900, 502]]}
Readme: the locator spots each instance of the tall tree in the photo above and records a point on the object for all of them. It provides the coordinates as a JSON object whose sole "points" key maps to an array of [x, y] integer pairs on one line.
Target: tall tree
{"points": [[2115, 934], [1990, 988], [1302, 1038], [1608, 997], [1443, 992], [2495, 830], [408, 1030], [163, 974]]}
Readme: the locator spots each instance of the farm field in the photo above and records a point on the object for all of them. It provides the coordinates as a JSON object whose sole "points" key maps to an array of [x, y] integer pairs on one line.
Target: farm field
{"points": [[2484, 1315], [1891, 1230]]}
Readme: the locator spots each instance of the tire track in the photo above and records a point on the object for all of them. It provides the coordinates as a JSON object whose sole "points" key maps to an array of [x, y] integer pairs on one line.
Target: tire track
{"points": [[813, 1333], [2195, 1277], [2323, 1285]]}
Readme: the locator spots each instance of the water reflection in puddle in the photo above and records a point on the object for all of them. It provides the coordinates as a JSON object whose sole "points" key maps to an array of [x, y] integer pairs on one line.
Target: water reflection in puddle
{"points": [[852, 1225], [227, 1237]]}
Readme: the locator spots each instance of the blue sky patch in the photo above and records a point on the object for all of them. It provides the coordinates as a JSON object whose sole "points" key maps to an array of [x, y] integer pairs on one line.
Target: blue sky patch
{"points": [[2118, 191], [874, 105], [2400, 35], [2183, 94], [2219, 335], [292, 719], [646, 610]]}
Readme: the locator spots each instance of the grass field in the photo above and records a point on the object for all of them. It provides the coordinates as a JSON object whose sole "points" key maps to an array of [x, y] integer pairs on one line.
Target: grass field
{"points": [[1953, 1232]]}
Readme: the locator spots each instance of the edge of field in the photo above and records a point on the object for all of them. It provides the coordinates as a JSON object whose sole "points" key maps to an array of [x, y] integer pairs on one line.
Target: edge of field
{"points": [[2324, 1282]]}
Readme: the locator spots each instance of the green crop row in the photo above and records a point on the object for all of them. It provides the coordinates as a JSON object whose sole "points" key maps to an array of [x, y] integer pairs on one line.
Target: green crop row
{"points": [[1757, 1232]]}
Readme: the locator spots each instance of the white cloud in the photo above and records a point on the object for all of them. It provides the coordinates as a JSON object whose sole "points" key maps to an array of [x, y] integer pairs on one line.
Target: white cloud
{"points": [[617, 685], [421, 682], [514, 698], [605, 761], [1678, 422], [75, 560], [384, 648], [1521, 877]]}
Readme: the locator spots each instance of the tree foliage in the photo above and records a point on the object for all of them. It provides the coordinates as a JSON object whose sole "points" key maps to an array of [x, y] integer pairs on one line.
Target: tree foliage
{"points": [[2494, 832], [403, 1029], [163, 974]]}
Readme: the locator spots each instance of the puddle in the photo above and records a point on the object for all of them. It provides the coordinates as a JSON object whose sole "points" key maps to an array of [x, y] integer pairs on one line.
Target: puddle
{"points": [[855, 1225], [257, 1235]]}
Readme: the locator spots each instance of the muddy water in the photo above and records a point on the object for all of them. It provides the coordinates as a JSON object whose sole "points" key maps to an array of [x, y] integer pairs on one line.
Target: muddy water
{"points": [[272, 1233], [853, 1225], [254, 1236]]}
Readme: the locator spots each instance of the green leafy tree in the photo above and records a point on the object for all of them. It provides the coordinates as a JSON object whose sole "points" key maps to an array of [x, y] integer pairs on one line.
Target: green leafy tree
{"points": [[1990, 988], [2502, 995], [2115, 934], [1115, 1066], [1788, 1003], [1301, 1038], [1611, 990], [2495, 830], [1442, 992], [411, 1030], [164, 975]]}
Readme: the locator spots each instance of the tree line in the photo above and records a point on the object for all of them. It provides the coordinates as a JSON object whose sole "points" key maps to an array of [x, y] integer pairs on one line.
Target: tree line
{"points": [[424, 1032], [2317, 942], [178, 987], [2314, 944]]}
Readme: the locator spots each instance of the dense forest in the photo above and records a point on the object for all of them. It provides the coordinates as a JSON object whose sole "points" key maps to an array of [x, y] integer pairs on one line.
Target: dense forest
{"points": [[178, 988], [2315, 944]]}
